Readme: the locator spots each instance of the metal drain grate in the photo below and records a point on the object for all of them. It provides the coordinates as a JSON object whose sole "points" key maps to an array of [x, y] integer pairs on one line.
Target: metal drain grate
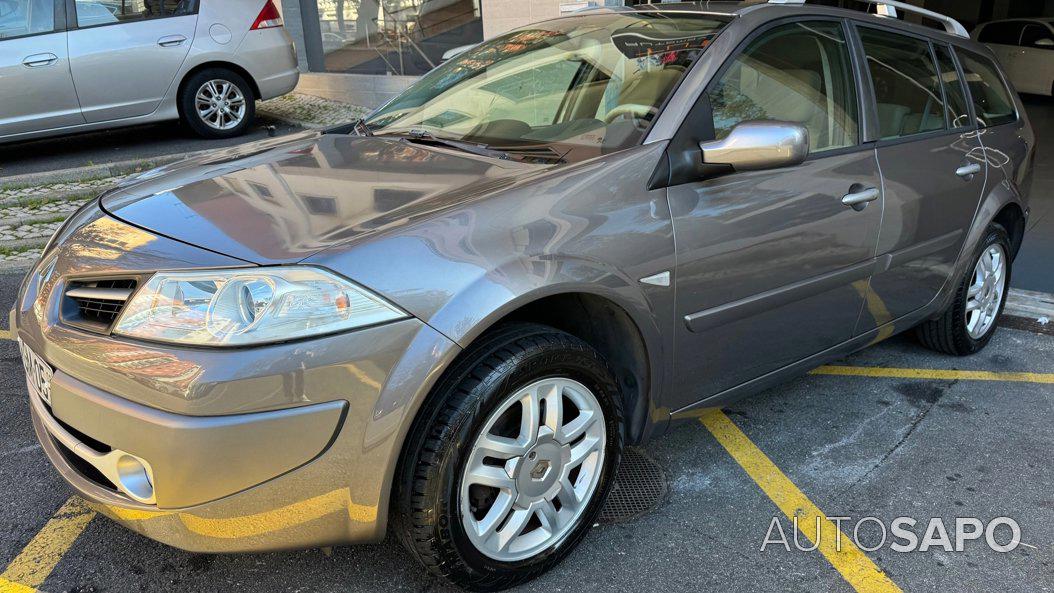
{"points": [[639, 489]]}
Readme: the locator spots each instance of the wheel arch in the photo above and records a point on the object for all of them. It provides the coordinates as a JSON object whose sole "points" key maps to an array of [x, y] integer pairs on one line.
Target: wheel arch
{"points": [[598, 317], [1012, 218], [1002, 206], [239, 70]]}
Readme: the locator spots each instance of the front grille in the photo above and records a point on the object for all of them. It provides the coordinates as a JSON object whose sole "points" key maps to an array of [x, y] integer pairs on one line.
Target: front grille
{"points": [[98, 303]]}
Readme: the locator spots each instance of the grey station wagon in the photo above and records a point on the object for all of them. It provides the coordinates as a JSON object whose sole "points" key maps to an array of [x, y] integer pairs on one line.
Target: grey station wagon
{"points": [[448, 319]]}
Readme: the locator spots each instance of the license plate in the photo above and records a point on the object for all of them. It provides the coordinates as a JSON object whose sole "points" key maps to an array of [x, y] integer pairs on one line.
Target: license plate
{"points": [[38, 373]]}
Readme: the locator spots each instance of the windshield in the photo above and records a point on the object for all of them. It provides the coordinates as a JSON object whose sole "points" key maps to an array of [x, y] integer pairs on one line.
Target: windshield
{"points": [[571, 88]]}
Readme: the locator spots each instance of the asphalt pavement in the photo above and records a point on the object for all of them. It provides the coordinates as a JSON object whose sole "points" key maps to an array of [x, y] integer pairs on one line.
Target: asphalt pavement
{"points": [[857, 446], [143, 143]]}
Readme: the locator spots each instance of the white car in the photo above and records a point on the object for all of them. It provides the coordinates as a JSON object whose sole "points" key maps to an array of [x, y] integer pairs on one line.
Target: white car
{"points": [[72, 66], [1025, 48]]}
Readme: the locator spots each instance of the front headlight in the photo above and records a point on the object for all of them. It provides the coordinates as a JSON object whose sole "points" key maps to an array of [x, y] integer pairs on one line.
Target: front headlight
{"points": [[240, 307]]}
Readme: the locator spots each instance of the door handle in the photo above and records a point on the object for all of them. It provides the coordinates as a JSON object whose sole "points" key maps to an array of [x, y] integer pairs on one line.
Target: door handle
{"points": [[968, 171], [39, 60], [859, 200], [171, 41]]}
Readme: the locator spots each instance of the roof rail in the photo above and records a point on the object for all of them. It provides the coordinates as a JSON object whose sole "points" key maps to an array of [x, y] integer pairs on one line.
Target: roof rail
{"points": [[888, 8]]}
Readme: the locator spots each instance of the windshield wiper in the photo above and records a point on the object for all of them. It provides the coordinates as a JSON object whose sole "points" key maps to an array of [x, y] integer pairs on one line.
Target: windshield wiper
{"points": [[362, 129], [425, 137], [358, 127]]}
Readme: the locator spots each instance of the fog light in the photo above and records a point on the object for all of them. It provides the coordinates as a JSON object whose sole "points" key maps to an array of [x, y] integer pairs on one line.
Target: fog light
{"points": [[134, 478]]}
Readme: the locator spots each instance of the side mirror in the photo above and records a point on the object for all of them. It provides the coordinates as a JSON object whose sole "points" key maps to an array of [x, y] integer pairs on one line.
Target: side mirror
{"points": [[757, 145], [1047, 42]]}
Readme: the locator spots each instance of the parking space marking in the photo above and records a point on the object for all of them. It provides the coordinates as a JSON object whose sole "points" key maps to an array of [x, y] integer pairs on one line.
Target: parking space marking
{"points": [[855, 567], [39, 558], [902, 373]]}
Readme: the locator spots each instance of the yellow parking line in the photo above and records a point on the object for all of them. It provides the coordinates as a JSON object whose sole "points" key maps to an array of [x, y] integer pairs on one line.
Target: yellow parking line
{"points": [[933, 374], [38, 559], [857, 569]]}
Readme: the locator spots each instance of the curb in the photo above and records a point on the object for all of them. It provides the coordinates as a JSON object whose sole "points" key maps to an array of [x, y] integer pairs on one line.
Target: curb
{"points": [[1036, 307], [41, 218], [55, 196], [75, 174]]}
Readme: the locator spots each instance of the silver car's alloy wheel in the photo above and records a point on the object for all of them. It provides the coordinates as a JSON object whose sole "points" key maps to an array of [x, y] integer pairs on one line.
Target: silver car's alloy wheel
{"points": [[220, 104], [533, 470], [985, 294]]}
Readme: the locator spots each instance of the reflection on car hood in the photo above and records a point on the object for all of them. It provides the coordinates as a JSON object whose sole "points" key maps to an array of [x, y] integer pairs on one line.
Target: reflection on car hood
{"points": [[280, 201]]}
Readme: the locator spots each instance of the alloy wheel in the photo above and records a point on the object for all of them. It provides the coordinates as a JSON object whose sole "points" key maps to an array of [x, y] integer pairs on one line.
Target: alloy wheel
{"points": [[220, 104], [985, 295], [533, 470]]}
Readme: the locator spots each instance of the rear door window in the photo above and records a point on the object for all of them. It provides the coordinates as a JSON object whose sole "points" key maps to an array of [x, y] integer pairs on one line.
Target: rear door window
{"points": [[1008, 33], [990, 95], [798, 73], [20, 18], [954, 93], [92, 13], [904, 77]]}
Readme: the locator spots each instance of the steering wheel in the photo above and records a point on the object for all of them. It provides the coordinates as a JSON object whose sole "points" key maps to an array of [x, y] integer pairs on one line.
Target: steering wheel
{"points": [[8, 7], [637, 110]]}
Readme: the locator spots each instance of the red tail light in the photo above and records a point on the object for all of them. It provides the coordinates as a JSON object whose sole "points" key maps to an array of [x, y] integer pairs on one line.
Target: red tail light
{"points": [[269, 17]]}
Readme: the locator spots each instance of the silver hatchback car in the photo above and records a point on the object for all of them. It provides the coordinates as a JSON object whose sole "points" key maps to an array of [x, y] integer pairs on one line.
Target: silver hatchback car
{"points": [[71, 66], [448, 319]]}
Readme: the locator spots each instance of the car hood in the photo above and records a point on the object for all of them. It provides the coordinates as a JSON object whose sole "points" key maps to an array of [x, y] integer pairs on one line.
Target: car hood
{"points": [[280, 201]]}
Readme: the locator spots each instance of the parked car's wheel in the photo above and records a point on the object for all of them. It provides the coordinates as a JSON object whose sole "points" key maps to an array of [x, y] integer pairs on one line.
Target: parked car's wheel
{"points": [[969, 322], [506, 470], [217, 103]]}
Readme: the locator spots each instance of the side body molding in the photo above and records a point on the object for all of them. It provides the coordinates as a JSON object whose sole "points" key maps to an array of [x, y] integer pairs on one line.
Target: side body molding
{"points": [[754, 304]]}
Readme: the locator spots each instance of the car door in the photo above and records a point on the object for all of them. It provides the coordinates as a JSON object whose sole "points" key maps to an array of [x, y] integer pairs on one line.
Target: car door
{"points": [[146, 41], [36, 88], [772, 266], [1036, 58], [933, 170]]}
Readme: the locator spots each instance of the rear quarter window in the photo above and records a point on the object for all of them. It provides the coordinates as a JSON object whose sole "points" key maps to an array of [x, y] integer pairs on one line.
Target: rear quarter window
{"points": [[991, 97]]}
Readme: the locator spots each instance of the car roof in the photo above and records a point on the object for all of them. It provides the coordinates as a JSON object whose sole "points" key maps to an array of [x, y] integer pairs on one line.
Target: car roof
{"points": [[733, 9]]}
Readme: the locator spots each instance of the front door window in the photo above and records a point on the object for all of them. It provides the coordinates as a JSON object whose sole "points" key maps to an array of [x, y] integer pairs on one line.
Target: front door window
{"points": [[798, 73]]}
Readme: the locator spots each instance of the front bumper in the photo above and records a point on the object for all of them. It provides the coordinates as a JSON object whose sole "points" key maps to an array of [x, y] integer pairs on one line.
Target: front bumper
{"points": [[276, 447]]}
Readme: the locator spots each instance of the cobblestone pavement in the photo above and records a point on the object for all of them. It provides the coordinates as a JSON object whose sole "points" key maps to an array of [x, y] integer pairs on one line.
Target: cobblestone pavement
{"points": [[30, 215], [19, 194], [310, 111]]}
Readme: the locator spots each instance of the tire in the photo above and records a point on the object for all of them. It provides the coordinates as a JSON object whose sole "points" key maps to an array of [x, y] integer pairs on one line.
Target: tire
{"points": [[239, 89], [952, 332], [429, 511]]}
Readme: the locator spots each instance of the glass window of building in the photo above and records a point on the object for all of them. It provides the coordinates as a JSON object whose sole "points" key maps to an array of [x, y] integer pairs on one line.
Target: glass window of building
{"points": [[402, 37]]}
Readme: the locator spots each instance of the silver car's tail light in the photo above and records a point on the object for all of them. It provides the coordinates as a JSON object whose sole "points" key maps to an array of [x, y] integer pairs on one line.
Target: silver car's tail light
{"points": [[269, 17]]}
